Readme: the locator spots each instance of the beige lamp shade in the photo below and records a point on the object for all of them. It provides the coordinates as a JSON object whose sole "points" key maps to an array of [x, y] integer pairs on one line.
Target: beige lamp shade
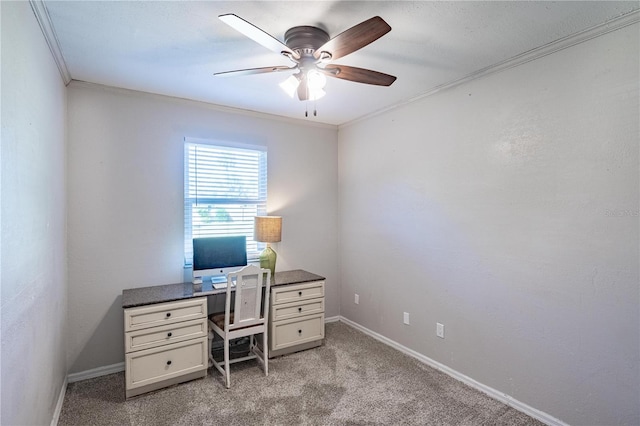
{"points": [[267, 229]]}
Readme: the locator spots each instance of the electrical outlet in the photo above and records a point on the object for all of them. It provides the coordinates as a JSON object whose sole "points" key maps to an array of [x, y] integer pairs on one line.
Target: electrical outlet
{"points": [[406, 318], [440, 330], [356, 299]]}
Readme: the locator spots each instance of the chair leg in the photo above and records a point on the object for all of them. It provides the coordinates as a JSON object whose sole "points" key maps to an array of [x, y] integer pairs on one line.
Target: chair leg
{"points": [[210, 347], [227, 379], [260, 353], [265, 353]]}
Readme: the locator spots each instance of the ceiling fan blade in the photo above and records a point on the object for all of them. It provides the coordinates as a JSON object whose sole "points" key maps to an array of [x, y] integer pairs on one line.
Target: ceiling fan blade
{"points": [[250, 71], [359, 75], [256, 34], [354, 38]]}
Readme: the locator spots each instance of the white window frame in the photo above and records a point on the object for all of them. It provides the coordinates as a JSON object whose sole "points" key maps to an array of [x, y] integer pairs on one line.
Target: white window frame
{"points": [[191, 200]]}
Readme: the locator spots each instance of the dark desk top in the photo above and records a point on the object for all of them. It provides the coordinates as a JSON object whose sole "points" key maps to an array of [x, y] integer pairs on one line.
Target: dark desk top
{"points": [[170, 292]]}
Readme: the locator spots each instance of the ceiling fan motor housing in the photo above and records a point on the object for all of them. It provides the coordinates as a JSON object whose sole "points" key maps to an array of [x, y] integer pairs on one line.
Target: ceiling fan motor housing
{"points": [[305, 40]]}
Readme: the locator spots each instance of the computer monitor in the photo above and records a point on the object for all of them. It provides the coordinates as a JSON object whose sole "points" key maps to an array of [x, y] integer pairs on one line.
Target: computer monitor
{"points": [[217, 256]]}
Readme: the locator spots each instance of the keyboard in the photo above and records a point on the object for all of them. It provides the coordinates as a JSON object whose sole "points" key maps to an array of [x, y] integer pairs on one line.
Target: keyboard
{"points": [[219, 285]]}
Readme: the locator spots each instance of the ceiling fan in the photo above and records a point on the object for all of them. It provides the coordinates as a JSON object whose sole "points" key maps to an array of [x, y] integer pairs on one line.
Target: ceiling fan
{"points": [[311, 50]]}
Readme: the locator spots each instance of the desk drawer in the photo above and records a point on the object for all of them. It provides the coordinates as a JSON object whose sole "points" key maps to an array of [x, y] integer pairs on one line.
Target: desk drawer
{"points": [[164, 313], [293, 293], [165, 362], [171, 333], [296, 331], [297, 309]]}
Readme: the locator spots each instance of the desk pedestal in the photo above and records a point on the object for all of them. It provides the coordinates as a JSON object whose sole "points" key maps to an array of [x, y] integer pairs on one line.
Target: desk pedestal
{"points": [[296, 319]]}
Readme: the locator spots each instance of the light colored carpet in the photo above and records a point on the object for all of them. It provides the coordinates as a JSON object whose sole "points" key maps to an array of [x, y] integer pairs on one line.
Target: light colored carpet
{"points": [[351, 380]]}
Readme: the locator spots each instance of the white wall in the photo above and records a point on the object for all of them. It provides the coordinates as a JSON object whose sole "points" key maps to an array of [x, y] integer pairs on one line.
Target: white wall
{"points": [[126, 202], [507, 209], [33, 205]]}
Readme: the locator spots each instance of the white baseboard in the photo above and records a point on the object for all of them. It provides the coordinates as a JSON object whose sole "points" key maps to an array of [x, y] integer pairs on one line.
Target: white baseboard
{"points": [[96, 372], [58, 409], [493, 393], [332, 319]]}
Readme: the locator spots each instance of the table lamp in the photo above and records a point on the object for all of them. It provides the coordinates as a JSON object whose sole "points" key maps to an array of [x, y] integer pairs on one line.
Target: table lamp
{"points": [[268, 229]]}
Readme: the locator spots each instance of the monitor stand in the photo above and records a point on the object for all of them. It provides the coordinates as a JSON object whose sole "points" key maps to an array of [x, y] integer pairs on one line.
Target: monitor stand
{"points": [[209, 285], [219, 282], [217, 279]]}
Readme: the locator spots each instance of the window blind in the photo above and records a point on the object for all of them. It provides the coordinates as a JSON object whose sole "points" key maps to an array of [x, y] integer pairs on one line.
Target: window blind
{"points": [[225, 187]]}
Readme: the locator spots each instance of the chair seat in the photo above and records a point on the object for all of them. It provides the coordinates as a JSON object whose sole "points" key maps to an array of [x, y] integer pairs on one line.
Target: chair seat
{"points": [[218, 319]]}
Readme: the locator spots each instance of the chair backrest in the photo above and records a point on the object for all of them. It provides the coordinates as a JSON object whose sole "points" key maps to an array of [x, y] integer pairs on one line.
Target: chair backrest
{"points": [[252, 285]]}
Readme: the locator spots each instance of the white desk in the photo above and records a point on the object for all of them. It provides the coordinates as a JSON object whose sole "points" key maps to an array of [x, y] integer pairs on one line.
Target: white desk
{"points": [[296, 323]]}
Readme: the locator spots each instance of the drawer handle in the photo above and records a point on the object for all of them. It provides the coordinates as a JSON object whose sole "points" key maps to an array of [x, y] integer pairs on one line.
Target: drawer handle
{"points": [[299, 331], [168, 314], [169, 334], [299, 293], [300, 309], [169, 362]]}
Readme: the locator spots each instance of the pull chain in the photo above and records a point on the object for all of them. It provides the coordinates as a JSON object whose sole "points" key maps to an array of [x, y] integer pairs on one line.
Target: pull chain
{"points": [[306, 106]]}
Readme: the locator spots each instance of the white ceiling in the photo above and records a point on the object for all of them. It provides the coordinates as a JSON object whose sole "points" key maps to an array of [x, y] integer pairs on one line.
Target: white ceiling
{"points": [[174, 47]]}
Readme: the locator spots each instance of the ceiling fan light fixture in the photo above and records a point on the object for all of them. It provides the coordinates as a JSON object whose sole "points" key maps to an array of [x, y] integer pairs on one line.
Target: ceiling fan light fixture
{"points": [[315, 94], [316, 80], [290, 85]]}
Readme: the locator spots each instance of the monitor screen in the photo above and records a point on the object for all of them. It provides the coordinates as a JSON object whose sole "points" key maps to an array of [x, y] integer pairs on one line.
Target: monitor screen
{"points": [[218, 255]]}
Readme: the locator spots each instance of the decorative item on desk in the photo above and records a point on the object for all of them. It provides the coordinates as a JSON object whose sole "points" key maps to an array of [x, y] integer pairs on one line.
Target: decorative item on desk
{"points": [[268, 229]]}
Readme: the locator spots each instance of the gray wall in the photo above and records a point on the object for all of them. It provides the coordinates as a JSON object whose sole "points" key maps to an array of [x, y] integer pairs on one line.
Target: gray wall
{"points": [[33, 211], [125, 222], [507, 209]]}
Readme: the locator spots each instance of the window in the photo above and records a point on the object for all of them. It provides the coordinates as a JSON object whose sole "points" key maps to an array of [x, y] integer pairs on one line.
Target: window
{"points": [[225, 187]]}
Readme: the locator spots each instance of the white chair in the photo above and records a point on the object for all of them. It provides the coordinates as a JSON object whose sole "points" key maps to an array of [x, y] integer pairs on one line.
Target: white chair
{"points": [[248, 317]]}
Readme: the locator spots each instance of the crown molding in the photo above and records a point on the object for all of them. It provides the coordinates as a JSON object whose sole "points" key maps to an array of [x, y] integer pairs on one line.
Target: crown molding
{"points": [[42, 15], [611, 25], [202, 104]]}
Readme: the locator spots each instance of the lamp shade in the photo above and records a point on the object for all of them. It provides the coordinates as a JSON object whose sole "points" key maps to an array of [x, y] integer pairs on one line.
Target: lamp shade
{"points": [[267, 229]]}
